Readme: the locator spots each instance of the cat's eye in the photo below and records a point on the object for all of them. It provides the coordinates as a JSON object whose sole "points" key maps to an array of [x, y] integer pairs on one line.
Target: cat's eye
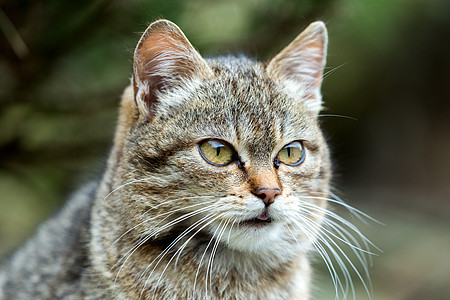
{"points": [[217, 152], [292, 154]]}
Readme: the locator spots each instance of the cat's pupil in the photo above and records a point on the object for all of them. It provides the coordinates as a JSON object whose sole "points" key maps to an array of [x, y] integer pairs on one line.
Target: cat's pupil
{"points": [[217, 151], [288, 151]]}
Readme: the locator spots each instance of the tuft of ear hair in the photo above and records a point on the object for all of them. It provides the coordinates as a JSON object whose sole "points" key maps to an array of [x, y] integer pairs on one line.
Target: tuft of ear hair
{"points": [[300, 65], [162, 60]]}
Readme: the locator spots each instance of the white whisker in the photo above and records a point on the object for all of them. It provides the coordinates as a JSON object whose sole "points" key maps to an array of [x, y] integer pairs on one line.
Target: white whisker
{"points": [[178, 220], [209, 219], [177, 199], [154, 233], [332, 229], [326, 258], [324, 238], [337, 116], [203, 255], [341, 220], [211, 258], [229, 231], [352, 210], [123, 185], [336, 227]]}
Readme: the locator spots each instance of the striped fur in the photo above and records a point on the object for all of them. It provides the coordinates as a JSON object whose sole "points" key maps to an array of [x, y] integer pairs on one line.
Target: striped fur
{"points": [[166, 224]]}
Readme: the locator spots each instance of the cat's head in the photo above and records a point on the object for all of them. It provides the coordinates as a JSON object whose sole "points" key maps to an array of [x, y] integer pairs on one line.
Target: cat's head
{"points": [[228, 146]]}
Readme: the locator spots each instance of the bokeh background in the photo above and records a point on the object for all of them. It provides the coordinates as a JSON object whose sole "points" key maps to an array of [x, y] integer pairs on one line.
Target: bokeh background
{"points": [[64, 64]]}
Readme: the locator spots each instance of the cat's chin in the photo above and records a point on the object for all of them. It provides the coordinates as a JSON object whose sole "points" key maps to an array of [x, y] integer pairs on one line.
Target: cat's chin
{"points": [[257, 223], [254, 236]]}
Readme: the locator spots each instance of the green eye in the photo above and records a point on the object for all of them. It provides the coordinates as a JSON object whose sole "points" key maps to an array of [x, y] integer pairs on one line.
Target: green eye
{"points": [[217, 152], [292, 154]]}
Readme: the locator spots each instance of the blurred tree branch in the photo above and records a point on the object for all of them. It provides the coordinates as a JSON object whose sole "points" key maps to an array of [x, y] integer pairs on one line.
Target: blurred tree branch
{"points": [[37, 33], [13, 36]]}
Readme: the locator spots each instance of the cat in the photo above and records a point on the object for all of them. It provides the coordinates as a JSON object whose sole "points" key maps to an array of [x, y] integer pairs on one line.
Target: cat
{"points": [[217, 185]]}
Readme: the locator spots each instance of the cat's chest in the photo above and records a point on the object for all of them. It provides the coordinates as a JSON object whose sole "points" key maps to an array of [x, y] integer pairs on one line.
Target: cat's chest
{"points": [[225, 277]]}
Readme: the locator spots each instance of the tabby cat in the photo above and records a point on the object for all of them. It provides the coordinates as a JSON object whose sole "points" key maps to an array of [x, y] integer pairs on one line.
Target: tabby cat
{"points": [[216, 187]]}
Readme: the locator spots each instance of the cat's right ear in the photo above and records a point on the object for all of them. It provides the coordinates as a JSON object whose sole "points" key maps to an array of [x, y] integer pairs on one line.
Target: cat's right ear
{"points": [[163, 59]]}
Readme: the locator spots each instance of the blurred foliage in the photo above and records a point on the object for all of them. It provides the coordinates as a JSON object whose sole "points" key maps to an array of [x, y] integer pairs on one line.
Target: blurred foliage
{"points": [[64, 64]]}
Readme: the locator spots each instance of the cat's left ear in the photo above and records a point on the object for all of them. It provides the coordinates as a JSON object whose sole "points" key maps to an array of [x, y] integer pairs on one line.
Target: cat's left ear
{"points": [[299, 66]]}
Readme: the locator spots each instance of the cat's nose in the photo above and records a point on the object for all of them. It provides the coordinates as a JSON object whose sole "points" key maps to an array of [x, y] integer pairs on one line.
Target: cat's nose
{"points": [[267, 195]]}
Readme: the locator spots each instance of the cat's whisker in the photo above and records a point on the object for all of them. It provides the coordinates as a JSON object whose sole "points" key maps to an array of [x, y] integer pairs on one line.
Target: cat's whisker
{"points": [[362, 258], [359, 214], [190, 238], [338, 218], [153, 233], [229, 231], [331, 214], [208, 266], [183, 218], [324, 237], [165, 202], [142, 223], [354, 211], [167, 249], [180, 219], [124, 185], [293, 236], [332, 70], [211, 258], [128, 231], [359, 252], [346, 235], [338, 229], [337, 116], [348, 283], [126, 256], [203, 255], [324, 254], [151, 219], [318, 79], [207, 221]]}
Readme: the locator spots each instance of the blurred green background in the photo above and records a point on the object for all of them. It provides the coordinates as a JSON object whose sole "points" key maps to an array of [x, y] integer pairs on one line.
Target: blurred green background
{"points": [[64, 64]]}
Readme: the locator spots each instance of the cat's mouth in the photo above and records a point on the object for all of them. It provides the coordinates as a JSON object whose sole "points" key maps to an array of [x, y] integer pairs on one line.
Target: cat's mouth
{"points": [[259, 221]]}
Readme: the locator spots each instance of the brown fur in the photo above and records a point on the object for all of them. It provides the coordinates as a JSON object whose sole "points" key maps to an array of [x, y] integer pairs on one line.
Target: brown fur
{"points": [[156, 175]]}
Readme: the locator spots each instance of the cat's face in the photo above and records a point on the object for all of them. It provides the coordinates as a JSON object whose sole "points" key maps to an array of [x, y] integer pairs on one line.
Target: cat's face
{"points": [[226, 148]]}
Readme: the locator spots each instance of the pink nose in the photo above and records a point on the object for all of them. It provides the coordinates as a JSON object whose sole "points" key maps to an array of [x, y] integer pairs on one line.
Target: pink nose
{"points": [[267, 195]]}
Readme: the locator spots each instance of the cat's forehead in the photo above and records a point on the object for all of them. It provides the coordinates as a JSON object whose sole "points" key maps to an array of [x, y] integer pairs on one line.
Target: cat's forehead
{"points": [[241, 105], [244, 105]]}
